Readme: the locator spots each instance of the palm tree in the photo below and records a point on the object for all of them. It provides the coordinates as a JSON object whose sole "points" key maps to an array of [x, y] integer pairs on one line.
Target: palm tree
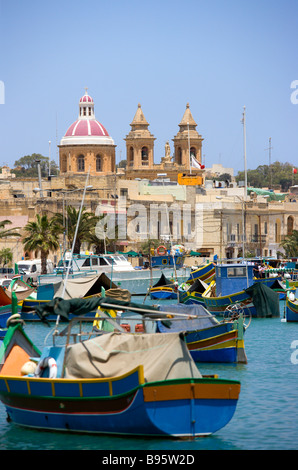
{"points": [[87, 223], [102, 243], [8, 232], [6, 256], [290, 244], [42, 237]]}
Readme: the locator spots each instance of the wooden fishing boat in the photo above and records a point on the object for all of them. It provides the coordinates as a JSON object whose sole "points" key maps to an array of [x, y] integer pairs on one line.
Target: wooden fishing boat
{"points": [[20, 288], [144, 385], [206, 273], [5, 314], [257, 300], [192, 294], [164, 289], [207, 339], [234, 284], [291, 308]]}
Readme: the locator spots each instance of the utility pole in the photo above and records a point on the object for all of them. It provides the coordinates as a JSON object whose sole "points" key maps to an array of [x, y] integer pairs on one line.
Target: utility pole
{"points": [[270, 169], [244, 151]]}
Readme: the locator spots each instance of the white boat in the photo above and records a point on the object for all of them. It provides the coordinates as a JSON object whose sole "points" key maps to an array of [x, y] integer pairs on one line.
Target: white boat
{"points": [[116, 267]]}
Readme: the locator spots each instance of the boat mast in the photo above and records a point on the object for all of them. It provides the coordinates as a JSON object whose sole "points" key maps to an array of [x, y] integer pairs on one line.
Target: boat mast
{"points": [[73, 243]]}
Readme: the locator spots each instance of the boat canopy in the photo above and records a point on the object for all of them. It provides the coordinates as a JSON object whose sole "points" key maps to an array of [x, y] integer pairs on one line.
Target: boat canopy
{"points": [[84, 286], [163, 356], [163, 281]]}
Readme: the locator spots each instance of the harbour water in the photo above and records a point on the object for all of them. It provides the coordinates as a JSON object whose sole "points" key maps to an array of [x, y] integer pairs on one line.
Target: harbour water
{"points": [[265, 419]]}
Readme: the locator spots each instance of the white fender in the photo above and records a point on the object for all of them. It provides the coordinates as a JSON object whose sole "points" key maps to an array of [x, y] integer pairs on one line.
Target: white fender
{"points": [[43, 364]]}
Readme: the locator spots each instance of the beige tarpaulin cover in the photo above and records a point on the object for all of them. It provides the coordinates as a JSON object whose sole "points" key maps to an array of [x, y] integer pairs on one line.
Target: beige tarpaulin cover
{"points": [[163, 355], [82, 286]]}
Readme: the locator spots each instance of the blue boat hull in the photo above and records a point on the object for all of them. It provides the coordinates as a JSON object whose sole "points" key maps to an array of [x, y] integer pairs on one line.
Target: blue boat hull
{"points": [[135, 413], [291, 311], [5, 313], [162, 295]]}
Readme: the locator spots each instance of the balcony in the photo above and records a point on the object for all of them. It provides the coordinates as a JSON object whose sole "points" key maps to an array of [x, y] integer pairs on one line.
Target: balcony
{"points": [[256, 238]]}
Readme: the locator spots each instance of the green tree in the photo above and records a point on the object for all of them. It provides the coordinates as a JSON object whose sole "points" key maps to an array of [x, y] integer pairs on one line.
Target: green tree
{"points": [[276, 174], [86, 225], [105, 242], [6, 256], [27, 166], [42, 237], [290, 244], [8, 232]]}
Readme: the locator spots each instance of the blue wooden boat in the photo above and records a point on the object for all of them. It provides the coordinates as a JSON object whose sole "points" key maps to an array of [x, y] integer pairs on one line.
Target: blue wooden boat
{"points": [[164, 289], [232, 286], [192, 294], [206, 273], [167, 261], [291, 308], [152, 389], [207, 339], [5, 314]]}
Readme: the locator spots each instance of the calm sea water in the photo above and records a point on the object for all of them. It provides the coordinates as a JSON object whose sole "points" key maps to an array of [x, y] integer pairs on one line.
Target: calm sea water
{"points": [[265, 419]]}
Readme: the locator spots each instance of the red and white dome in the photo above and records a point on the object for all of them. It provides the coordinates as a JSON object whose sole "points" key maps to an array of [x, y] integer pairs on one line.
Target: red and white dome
{"points": [[86, 99], [86, 129]]}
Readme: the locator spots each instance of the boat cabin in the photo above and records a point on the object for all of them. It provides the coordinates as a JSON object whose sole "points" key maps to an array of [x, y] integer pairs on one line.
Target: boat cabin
{"points": [[231, 278]]}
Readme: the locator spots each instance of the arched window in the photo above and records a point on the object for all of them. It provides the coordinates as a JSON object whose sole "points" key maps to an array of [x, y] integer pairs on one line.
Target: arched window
{"points": [[63, 164], [98, 163], [81, 163], [131, 156], [179, 156], [290, 225], [145, 159], [193, 152], [277, 231]]}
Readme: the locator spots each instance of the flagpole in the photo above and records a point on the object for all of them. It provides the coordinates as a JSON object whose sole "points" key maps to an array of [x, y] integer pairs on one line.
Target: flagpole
{"points": [[189, 147], [244, 150]]}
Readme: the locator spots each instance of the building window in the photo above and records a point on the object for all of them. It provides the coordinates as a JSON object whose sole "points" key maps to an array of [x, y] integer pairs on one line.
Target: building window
{"points": [[277, 231], [193, 152], [89, 111], [290, 225], [63, 164], [145, 159], [81, 163], [98, 163], [130, 156], [179, 159]]}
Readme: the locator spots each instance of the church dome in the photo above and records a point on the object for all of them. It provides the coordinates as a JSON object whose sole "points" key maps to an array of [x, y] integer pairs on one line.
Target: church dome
{"points": [[86, 99], [86, 130]]}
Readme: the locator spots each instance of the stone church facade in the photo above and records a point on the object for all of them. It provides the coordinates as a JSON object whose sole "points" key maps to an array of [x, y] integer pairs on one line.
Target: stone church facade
{"points": [[87, 146]]}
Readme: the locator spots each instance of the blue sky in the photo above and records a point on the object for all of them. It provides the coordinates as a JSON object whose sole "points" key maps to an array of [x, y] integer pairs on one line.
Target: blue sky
{"points": [[218, 55]]}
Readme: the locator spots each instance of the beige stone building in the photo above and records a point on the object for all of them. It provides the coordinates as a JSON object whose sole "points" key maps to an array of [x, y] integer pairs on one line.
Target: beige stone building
{"points": [[212, 221]]}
